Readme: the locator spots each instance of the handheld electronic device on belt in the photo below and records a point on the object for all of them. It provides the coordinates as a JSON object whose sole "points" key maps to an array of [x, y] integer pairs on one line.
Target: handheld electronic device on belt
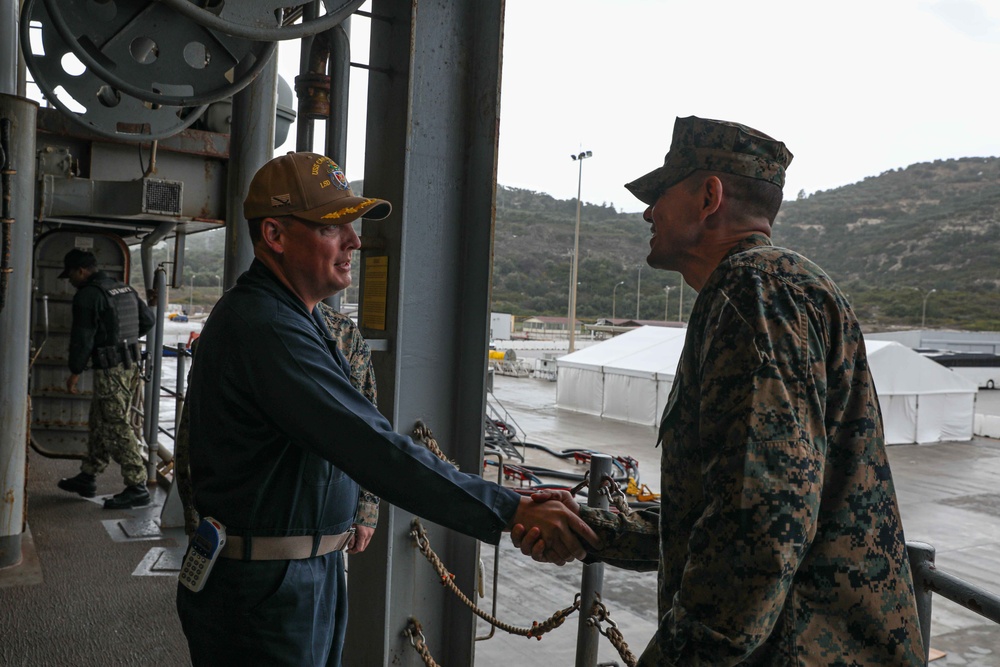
{"points": [[201, 555]]}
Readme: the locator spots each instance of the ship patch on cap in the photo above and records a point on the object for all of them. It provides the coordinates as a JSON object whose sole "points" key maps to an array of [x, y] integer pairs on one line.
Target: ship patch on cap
{"points": [[336, 176], [281, 200]]}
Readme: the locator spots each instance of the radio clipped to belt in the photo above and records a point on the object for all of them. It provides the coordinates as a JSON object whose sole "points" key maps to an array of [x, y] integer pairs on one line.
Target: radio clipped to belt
{"points": [[206, 544]]}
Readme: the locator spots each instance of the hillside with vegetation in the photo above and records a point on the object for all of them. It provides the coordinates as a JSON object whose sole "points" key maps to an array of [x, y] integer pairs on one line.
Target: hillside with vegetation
{"points": [[887, 240]]}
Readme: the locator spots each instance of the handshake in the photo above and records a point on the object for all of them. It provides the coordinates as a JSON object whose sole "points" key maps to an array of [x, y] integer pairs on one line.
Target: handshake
{"points": [[547, 526]]}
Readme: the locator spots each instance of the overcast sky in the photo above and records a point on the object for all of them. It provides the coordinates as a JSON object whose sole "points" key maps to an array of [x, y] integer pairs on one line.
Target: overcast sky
{"points": [[854, 88]]}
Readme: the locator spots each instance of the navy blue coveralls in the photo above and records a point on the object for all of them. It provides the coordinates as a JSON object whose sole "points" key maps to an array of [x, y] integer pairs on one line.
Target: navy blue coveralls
{"points": [[279, 442]]}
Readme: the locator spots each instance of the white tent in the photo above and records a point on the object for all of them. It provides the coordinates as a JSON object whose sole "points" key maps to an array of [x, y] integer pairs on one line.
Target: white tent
{"points": [[922, 401], [628, 378]]}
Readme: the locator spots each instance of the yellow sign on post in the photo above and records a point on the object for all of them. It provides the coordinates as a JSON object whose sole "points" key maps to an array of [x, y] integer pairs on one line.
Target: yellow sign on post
{"points": [[375, 290]]}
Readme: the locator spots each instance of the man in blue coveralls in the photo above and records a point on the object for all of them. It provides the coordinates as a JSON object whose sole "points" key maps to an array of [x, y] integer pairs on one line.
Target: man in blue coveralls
{"points": [[280, 440]]}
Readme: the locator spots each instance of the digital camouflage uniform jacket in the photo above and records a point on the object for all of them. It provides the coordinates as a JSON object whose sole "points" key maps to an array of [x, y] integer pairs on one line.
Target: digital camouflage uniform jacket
{"points": [[781, 541], [359, 356]]}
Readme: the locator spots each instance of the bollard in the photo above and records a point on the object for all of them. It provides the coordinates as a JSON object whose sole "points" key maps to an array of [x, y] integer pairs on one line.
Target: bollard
{"points": [[593, 574]]}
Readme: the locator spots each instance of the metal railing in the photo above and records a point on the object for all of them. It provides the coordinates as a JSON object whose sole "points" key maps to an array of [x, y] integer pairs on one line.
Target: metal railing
{"points": [[927, 580]]}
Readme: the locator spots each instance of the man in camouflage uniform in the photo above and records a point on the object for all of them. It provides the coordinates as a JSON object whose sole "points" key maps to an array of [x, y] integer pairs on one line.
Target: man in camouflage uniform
{"points": [[108, 318], [779, 539], [359, 356]]}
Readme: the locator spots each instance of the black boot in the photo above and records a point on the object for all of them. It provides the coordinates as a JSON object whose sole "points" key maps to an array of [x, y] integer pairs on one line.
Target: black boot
{"points": [[132, 496], [84, 484]]}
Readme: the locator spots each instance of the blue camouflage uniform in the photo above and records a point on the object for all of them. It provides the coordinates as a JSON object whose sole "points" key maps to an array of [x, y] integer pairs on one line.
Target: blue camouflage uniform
{"points": [[279, 442], [779, 539]]}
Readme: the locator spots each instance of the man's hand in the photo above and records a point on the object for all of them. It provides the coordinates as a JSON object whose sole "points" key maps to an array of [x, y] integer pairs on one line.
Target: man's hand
{"points": [[550, 521], [71, 384], [359, 542]]}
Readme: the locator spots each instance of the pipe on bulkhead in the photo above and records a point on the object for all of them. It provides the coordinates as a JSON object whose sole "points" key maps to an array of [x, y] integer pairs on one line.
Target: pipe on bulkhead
{"points": [[325, 96], [6, 221], [161, 232], [17, 119]]}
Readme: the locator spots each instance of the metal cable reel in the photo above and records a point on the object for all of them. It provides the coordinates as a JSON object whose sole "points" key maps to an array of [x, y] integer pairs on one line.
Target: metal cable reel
{"points": [[261, 20], [155, 54], [66, 83]]}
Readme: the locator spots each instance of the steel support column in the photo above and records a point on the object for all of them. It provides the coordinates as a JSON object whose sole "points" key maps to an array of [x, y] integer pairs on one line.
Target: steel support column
{"points": [[17, 163], [9, 51], [251, 145], [336, 124], [433, 116]]}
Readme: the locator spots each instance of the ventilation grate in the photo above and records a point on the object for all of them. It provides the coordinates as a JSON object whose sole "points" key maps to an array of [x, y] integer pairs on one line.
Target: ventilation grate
{"points": [[162, 197]]}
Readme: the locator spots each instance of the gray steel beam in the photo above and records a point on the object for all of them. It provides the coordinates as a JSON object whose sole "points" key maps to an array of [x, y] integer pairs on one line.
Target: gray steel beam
{"points": [[17, 163], [251, 145], [433, 114], [340, 83], [336, 124], [9, 53], [304, 126]]}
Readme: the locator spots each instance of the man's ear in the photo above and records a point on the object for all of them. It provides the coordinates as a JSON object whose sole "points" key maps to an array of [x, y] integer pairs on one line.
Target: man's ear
{"points": [[711, 196], [272, 234]]}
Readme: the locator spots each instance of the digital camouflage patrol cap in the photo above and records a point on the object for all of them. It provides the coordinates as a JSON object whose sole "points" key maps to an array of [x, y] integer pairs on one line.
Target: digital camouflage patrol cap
{"points": [[311, 187], [715, 145]]}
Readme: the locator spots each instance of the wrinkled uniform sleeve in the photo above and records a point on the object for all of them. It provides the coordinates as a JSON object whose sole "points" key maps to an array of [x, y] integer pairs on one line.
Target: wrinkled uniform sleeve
{"points": [[761, 474], [629, 541], [379, 459]]}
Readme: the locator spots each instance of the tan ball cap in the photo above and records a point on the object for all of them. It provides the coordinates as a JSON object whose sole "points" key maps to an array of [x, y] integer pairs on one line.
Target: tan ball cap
{"points": [[311, 187]]}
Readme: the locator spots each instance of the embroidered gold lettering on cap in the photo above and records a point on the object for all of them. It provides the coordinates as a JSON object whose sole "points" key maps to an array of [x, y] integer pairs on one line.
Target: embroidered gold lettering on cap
{"points": [[313, 188]]}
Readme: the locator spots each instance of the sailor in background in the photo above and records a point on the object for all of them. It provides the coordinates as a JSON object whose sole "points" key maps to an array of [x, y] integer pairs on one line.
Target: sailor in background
{"points": [[108, 319]]}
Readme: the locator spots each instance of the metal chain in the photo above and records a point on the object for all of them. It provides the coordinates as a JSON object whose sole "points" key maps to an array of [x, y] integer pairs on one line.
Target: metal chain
{"points": [[610, 488], [599, 615], [415, 633], [422, 433], [536, 630], [582, 485]]}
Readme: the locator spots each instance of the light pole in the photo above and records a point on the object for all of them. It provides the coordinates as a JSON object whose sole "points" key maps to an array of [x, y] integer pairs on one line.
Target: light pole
{"points": [[579, 158], [613, 299], [666, 303], [191, 299], [219, 280], [572, 290], [923, 312], [680, 307], [638, 291]]}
